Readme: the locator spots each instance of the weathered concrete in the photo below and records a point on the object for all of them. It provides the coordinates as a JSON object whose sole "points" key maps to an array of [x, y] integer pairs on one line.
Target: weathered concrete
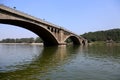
{"points": [[50, 33]]}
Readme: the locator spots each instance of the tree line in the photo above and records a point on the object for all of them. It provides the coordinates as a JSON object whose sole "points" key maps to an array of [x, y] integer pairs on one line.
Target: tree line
{"points": [[22, 40], [112, 34]]}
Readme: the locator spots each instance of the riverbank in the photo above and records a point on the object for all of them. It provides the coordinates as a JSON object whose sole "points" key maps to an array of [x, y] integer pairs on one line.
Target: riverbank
{"points": [[23, 43], [103, 43]]}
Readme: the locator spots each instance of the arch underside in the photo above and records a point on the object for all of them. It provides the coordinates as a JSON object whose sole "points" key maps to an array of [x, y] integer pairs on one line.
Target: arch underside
{"points": [[47, 37], [74, 39]]}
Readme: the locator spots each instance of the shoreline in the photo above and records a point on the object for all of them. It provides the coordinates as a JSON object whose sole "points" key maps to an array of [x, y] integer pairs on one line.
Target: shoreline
{"points": [[23, 43]]}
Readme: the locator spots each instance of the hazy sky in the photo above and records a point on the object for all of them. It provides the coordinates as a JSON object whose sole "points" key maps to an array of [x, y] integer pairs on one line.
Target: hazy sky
{"points": [[78, 16]]}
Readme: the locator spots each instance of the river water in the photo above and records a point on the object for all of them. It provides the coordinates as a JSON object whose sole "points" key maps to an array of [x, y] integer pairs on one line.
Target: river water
{"points": [[35, 62]]}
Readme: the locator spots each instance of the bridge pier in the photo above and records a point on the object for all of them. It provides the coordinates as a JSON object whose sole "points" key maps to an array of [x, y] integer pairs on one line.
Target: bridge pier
{"points": [[61, 36], [62, 43]]}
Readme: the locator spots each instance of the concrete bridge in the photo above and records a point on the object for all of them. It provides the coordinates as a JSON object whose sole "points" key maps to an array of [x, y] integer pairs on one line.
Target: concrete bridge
{"points": [[50, 33]]}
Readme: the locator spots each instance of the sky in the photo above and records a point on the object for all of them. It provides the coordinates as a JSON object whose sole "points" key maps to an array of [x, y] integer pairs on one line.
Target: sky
{"points": [[78, 16]]}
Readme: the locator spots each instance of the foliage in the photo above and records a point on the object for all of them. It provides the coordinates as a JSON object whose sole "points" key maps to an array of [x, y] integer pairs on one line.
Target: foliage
{"points": [[112, 34], [38, 40], [21, 40], [8, 40]]}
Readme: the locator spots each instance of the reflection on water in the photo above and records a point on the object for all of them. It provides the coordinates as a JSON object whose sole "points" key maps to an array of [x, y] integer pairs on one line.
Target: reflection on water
{"points": [[13, 55], [33, 62]]}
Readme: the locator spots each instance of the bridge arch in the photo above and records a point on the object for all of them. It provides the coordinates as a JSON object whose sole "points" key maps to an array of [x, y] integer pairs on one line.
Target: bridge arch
{"points": [[74, 39], [48, 38]]}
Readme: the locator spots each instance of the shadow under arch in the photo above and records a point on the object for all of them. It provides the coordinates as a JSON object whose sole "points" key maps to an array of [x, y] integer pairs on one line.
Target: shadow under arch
{"points": [[47, 37], [74, 39]]}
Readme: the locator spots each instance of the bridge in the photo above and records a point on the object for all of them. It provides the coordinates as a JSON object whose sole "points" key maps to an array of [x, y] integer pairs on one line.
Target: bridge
{"points": [[51, 34]]}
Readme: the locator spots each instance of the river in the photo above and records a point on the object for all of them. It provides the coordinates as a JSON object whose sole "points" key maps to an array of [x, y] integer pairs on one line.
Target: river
{"points": [[35, 62]]}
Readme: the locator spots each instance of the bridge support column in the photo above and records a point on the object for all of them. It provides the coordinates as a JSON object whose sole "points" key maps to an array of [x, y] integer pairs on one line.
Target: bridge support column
{"points": [[81, 42], [61, 37], [86, 42]]}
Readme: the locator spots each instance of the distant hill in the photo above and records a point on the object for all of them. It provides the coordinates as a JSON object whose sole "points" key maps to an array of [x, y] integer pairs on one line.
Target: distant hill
{"points": [[112, 34]]}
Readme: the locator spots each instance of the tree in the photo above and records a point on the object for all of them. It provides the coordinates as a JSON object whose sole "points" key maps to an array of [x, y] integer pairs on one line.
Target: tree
{"points": [[38, 40]]}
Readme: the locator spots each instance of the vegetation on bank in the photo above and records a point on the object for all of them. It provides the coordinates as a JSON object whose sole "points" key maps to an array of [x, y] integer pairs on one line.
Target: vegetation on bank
{"points": [[112, 35], [109, 36], [22, 40]]}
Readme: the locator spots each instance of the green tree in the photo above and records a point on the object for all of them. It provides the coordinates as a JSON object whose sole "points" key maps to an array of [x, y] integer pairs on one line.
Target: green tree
{"points": [[38, 40]]}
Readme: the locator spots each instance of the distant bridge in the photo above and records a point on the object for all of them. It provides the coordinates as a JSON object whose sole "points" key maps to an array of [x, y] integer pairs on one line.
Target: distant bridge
{"points": [[51, 34]]}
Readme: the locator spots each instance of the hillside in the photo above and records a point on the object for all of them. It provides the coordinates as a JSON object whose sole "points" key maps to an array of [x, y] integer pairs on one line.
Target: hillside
{"points": [[112, 34]]}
